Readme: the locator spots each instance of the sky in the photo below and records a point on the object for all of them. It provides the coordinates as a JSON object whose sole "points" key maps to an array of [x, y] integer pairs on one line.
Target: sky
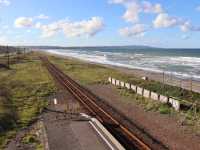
{"points": [[160, 23]]}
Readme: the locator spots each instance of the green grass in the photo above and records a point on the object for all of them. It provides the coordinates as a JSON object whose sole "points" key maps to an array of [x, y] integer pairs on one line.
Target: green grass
{"points": [[164, 109], [87, 73], [23, 92], [40, 147], [167, 90], [147, 104], [30, 139]]}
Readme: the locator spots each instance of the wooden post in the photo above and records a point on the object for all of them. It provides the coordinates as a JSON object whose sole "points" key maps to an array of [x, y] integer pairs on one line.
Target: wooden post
{"points": [[18, 53], [195, 110], [8, 58], [24, 52], [163, 77], [163, 81], [171, 77], [181, 83]]}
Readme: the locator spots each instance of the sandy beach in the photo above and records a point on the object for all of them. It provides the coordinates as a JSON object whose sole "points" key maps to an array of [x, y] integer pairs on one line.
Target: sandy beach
{"points": [[95, 75], [188, 84], [167, 128]]}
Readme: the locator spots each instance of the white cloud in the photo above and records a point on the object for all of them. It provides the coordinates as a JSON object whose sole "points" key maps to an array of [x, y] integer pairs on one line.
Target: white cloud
{"points": [[132, 12], [193, 28], [185, 37], [119, 1], [163, 20], [23, 22], [186, 26], [49, 30], [88, 27], [72, 29], [42, 16], [38, 25], [135, 7], [5, 2], [198, 8], [150, 8], [136, 30]]}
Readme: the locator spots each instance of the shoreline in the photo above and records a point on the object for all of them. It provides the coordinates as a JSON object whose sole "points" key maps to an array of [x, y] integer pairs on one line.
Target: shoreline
{"points": [[169, 79], [146, 114], [105, 61]]}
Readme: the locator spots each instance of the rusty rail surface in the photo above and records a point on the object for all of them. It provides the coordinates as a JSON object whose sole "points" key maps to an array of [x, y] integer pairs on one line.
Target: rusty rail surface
{"points": [[122, 133]]}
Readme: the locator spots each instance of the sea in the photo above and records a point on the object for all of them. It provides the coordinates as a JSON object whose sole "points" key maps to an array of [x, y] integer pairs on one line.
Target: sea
{"points": [[184, 63]]}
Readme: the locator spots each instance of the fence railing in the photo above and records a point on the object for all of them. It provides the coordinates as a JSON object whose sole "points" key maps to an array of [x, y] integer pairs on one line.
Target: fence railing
{"points": [[146, 93], [9, 55], [188, 83]]}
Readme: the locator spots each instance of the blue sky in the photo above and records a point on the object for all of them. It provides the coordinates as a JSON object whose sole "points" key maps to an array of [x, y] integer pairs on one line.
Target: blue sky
{"points": [[161, 23]]}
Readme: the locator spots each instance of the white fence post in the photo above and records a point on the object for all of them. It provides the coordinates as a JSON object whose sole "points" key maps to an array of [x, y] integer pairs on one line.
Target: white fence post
{"points": [[163, 99], [122, 84], [146, 93], [140, 91], [127, 85], [134, 88], [117, 83], [154, 96], [175, 104]]}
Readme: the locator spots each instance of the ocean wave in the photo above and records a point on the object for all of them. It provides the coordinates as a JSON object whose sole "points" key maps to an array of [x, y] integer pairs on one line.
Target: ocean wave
{"points": [[184, 67]]}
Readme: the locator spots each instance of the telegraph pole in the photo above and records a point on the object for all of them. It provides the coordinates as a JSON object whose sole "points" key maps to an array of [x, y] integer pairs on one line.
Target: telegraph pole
{"points": [[8, 57], [163, 77], [18, 54], [24, 52]]}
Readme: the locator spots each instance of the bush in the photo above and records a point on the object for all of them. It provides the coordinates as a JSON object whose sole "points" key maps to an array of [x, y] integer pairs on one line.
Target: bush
{"points": [[164, 109], [29, 139]]}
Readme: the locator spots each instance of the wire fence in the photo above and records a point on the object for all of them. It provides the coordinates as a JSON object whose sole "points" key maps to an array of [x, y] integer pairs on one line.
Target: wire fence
{"points": [[10, 55], [188, 83]]}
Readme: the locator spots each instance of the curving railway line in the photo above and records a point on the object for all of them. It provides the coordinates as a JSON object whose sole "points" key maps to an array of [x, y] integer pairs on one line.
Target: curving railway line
{"points": [[126, 132]]}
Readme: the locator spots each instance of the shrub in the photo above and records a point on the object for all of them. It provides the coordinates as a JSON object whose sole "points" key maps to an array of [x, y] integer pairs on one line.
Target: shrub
{"points": [[164, 109]]}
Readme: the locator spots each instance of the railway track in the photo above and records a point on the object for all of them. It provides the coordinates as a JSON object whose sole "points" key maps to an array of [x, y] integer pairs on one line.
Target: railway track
{"points": [[114, 121]]}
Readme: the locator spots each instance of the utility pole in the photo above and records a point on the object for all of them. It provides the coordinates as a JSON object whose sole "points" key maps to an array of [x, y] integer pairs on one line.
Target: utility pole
{"points": [[171, 78], [191, 84], [163, 81], [24, 52], [8, 57], [163, 77], [18, 54]]}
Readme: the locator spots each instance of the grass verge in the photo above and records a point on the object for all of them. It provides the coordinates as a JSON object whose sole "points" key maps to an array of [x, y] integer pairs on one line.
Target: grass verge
{"points": [[23, 92], [88, 73]]}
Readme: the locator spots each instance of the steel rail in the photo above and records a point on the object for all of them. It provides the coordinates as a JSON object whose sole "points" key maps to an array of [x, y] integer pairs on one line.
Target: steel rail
{"points": [[89, 103]]}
